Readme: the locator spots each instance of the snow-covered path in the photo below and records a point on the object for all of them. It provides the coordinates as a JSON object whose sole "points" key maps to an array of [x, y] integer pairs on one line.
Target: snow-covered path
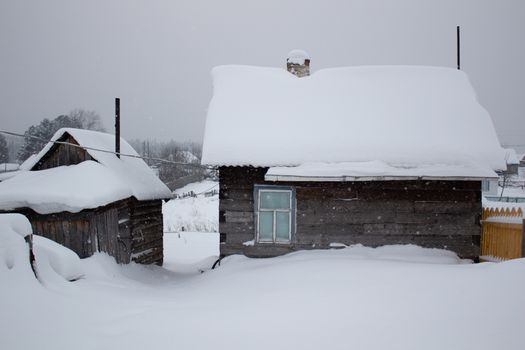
{"points": [[354, 298]]}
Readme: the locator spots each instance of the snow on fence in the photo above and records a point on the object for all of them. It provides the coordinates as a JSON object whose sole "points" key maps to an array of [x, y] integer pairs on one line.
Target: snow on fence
{"points": [[502, 234]]}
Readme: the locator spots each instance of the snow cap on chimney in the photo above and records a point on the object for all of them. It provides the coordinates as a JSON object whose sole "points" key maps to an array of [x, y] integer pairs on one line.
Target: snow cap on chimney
{"points": [[298, 63]]}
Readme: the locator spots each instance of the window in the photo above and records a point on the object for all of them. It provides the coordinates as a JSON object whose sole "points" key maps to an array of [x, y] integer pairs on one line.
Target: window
{"points": [[275, 213]]}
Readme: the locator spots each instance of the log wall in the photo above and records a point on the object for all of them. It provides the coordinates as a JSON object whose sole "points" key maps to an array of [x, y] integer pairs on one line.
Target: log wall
{"points": [[128, 230], [435, 214]]}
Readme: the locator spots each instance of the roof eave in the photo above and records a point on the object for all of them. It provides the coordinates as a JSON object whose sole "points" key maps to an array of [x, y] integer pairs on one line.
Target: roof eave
{"points": [[296, 178]]}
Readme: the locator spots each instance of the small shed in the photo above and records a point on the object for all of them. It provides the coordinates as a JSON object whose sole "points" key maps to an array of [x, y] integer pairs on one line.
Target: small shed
{"points": [[90, 200], [353, 155]]}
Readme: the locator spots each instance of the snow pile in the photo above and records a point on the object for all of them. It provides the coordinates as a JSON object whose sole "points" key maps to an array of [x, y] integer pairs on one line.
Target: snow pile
{"points": [[297, 56], [53, 262], [355, 171], [199, 214], [54, 259], [14, 251], [8, 175], [393, 114], [190, 251], [406, 253], [87, 185]]}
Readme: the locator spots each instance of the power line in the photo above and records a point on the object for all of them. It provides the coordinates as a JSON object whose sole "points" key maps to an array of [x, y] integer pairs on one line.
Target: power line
{"points": [[516, 145], [103, 150]]}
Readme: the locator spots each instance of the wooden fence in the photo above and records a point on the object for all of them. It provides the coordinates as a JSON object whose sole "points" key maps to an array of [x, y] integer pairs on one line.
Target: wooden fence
{"points": [[502, 234]]}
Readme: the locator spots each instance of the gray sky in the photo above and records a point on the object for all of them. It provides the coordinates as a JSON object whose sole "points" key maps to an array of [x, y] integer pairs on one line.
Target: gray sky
{"points": [[156, 55]]}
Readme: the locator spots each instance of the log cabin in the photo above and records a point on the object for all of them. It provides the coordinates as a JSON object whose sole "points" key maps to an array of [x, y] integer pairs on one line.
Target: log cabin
{"points": [[90, 200], [372, 155]]}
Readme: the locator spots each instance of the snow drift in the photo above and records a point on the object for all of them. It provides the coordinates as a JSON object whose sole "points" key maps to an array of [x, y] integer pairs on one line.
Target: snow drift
{"points": [[53, 262]]}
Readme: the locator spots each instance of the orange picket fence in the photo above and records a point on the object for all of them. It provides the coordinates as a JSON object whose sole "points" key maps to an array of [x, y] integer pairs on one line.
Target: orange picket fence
{"points": [[501, 234]]}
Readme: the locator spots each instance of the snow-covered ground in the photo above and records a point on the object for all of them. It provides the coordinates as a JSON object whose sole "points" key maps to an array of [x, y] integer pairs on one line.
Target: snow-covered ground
{"points": [[393, 297], [200, 214], [353, 298], [514, 192], [190, 251]]}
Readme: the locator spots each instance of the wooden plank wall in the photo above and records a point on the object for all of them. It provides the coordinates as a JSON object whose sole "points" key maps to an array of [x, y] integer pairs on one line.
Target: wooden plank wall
{"points": [[59, 155], [440, 214], [127, 230], [147, 232], [72, 230], [110, 226]]}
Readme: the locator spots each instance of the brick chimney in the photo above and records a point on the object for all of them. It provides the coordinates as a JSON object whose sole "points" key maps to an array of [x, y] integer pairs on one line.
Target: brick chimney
{"points": [[298, 63]]}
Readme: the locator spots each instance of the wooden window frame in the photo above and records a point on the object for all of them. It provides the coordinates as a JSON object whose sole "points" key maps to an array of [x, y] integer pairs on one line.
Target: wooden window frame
{"points": [[292, 213]]}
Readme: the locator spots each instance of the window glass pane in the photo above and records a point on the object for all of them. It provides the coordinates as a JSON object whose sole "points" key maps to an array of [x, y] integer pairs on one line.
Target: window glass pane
{"points": [[282, 226], [265, 226], [275, 200]]}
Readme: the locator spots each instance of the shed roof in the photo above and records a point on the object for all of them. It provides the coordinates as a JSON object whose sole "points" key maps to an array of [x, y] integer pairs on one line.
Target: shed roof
{"points": [[393, 114], [87, 185], [511, 156]]}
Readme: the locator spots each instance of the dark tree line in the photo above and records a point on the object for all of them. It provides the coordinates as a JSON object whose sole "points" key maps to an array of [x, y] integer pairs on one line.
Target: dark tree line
{"points": [[45, 130], [4, 150]]}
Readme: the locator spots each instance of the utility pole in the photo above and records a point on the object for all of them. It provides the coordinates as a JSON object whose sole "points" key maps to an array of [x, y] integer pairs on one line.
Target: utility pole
{"points": [[117, 126], [458, 46]]}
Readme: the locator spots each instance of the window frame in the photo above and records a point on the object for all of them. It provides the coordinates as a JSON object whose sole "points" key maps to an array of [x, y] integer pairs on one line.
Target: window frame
{"points": [[292, 213]]}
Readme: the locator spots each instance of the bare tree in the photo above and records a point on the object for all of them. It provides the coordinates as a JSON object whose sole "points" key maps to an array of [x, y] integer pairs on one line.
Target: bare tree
{"points": [[77, 118], [89, 120]]}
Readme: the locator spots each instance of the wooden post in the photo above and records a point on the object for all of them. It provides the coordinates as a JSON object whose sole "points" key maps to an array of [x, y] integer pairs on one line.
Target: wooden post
{"points": [[458, 46], [117, 126], [29, 241]]}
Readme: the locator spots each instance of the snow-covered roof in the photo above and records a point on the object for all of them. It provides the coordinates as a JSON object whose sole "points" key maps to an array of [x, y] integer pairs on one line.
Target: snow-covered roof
{"points": [[392, 114], [29, 162], [297, 56], [511, 156], [87, 185]]}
